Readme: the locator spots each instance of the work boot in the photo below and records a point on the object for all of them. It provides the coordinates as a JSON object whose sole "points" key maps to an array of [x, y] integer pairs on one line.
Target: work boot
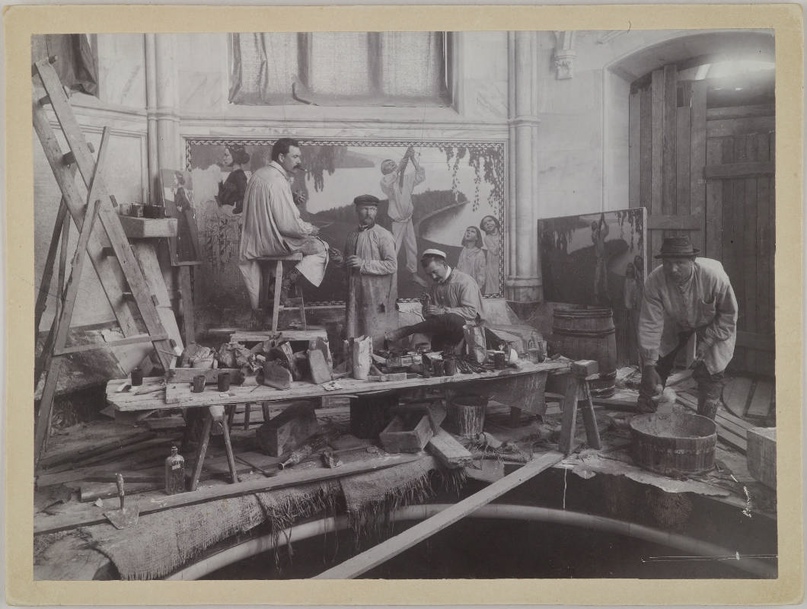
{"points": [[708, 408]]}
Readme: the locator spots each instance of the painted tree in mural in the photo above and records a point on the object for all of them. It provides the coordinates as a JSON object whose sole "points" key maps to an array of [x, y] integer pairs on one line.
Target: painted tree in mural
{"points": [[486, 162]]}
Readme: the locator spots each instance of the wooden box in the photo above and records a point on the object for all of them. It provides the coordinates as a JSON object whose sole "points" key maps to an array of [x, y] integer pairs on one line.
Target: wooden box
{"points": [[148, 228], [406, 434], [288, 430], [761, 454]]}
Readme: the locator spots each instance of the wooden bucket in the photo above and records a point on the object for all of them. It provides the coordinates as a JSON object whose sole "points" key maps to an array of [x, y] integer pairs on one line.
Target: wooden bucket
{"points": [[466, 416], [588, 333], [674, 443]]}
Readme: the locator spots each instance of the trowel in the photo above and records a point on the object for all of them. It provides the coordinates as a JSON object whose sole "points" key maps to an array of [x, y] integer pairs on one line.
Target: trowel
{"points": [[125, 516]]}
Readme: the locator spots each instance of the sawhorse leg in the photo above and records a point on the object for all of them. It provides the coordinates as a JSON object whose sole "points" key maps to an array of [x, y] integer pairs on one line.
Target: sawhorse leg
{"points": [[214, 413], [577, 390]]}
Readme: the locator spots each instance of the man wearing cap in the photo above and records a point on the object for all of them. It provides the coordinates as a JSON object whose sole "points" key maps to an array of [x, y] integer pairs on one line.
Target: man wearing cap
{"points": [[686, 295], [273, 226], [455, 299], [372, 265]]}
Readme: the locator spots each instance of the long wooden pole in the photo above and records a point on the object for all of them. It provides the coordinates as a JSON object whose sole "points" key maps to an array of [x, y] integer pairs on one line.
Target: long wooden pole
{"points": [[392, 547]]}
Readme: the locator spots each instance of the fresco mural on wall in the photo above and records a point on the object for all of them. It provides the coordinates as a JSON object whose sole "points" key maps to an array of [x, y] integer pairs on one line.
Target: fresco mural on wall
{"points": [[177, 197], [598, 260], [443, 188]]}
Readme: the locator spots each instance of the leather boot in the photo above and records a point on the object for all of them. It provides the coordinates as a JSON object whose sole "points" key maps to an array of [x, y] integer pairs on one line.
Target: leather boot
{"points": [[708, 408]]}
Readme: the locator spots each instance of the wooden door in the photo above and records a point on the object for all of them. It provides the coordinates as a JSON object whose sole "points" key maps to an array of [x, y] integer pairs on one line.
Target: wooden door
{"points": [[740, 224]]}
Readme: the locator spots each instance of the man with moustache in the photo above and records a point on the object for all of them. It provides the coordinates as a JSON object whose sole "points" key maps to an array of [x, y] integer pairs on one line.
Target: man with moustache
{"points": [[685, 296], [273, 226], [372, 265]]}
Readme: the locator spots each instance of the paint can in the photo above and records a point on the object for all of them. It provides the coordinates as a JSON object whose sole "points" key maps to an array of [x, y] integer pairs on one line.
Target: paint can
{"points": [[450, 366], [224, 381], [136, 210], [438, 367], [499, 360], [137, 377], [198, 383]]}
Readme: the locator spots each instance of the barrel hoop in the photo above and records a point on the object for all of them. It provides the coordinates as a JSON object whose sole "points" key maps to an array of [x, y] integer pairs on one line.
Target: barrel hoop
{"points": [[584, 333]]}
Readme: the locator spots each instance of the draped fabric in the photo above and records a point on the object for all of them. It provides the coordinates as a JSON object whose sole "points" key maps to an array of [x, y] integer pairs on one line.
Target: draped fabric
{"points": [[333, 68], [75, 62]]}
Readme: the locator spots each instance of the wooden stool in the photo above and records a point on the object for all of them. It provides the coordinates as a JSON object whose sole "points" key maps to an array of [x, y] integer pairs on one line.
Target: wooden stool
{"points": [[577, 390], [213, 414], [267, 270]]}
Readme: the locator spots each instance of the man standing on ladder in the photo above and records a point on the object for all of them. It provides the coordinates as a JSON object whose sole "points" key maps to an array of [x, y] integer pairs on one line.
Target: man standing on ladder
{"points": [[686, 296], [273, 226]]}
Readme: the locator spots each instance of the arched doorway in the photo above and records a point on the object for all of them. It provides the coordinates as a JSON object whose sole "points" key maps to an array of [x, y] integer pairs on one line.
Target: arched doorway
{"points": [[702, 152]]}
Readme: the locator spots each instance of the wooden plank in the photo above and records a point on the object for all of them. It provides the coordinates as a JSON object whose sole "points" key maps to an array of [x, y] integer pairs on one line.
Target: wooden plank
{"points": [[47, 273], [740, 111], [683, 149], [669, 155], [736, 394], [423, 530], [186, 375], [109, 273], [713, 205], [674, 223], [761, 455], [448, 451], [657, 152], [741, 251], [312, 333], [761, 400], [89, 514], [751, 251], [182, 395], [697, 159], [148, 228], [645, 147], [634, 151], [186, 301], [739, 126], [569, 422], [745, 169]]}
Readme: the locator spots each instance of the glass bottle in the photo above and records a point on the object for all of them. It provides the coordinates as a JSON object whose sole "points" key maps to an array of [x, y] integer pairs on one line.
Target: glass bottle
{"points": [[174, 472]]}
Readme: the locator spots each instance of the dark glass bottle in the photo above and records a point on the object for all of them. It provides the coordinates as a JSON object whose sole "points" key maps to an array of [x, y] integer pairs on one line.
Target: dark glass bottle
{"points": [[174, 473]]}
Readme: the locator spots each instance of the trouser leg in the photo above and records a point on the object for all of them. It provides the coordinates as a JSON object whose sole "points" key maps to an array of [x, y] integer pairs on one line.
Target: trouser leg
{"points": [[710, 390], [445, 330]]}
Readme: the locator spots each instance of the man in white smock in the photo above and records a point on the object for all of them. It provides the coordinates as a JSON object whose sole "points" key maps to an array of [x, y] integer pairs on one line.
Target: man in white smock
{"points": [[273, 226]]}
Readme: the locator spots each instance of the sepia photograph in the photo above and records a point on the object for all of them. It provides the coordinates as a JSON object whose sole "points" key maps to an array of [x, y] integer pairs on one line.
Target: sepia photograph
{"points": [[403, 304]]}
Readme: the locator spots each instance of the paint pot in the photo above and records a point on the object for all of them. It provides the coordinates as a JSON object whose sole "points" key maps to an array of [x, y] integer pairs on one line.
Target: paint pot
{"points": [[450, 366], [224, 381], [198, 383], [154, 211], [499, 360], [136, 210], [137, 377], [438, 367]]}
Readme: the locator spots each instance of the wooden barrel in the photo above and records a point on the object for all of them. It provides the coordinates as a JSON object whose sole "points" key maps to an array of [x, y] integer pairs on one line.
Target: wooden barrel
{"points": [[674, 443], [466, 415], [588, 333]]}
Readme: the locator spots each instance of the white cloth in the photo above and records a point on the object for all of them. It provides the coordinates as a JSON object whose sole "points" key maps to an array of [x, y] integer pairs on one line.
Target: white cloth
{"points": [[705, 304], [273, 226], [472, 262]]}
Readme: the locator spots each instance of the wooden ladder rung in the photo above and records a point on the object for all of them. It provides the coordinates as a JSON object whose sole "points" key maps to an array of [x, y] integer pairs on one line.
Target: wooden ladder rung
{"points": [[131, 340]]}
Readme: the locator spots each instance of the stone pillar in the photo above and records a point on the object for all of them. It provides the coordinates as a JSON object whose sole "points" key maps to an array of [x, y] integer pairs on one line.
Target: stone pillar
{"points": [[524, 271], [164, 143]]}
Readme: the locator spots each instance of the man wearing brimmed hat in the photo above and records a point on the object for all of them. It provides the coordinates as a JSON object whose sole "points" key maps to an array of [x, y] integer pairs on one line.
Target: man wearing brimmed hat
{"points": [[372, 266], [455, 300], [686, 295]]}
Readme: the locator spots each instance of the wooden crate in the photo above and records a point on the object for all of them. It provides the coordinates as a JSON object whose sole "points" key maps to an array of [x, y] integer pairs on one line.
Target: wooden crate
{"points": [[402, 436], [761, 454], [288, 430]]}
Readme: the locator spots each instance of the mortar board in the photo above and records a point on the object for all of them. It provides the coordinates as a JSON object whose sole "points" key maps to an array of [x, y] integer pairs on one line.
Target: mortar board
{"points": [[677, 247], [366, 200]]}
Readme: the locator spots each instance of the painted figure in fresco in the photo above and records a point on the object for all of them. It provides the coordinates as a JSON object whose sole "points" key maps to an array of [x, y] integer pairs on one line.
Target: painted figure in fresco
{"points": [[398, 185], [231, 191], [273, 226], [686, 295], [472, 258], [492, 244], [454, 300], [372, 270], [599, 232], [187, 244]]}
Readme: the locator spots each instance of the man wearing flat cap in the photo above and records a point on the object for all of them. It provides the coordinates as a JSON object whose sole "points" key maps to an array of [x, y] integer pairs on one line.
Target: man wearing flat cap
{"points": [[372, 266], [454, 300], [686, 295]]}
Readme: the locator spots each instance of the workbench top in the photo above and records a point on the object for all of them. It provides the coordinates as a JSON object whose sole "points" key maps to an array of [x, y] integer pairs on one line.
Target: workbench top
{"points": [[176, 395]]}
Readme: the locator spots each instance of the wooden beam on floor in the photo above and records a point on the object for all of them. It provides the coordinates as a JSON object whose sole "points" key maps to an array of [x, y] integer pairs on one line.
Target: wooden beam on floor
{"points": [[392, 547]]}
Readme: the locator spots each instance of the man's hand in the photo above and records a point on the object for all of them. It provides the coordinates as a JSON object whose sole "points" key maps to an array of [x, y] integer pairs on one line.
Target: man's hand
{"points": [[700, 353], [433, 310], [650, 387], [300, 197], [354, 262]]}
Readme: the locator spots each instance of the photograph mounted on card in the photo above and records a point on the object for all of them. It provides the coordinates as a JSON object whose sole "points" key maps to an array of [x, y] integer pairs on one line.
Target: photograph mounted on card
{"points": [[177, 199], [448, 195]]}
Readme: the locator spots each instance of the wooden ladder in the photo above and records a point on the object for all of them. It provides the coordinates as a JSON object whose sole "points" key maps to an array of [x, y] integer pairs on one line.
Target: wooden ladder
{"points": [[121, 277]]}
